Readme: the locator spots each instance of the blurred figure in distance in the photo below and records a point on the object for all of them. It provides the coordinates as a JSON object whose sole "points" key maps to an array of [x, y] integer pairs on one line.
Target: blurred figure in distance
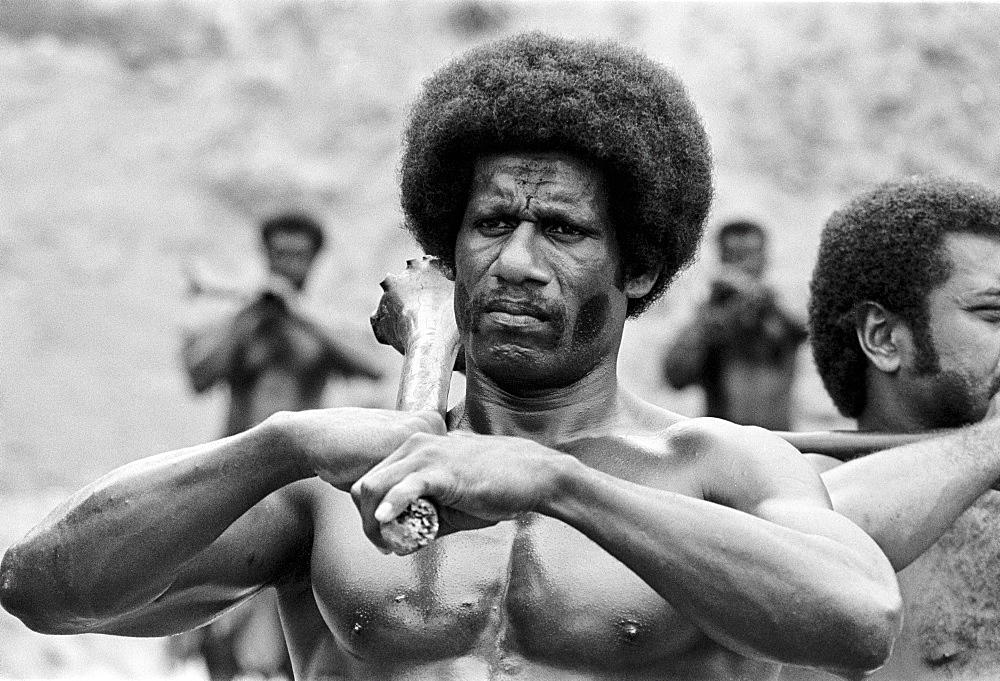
{"points": [[741, 347]]}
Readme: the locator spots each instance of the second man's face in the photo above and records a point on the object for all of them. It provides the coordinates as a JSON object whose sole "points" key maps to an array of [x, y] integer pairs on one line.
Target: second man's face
{"points": [[290, 255], [538, 296], [964, 315]]}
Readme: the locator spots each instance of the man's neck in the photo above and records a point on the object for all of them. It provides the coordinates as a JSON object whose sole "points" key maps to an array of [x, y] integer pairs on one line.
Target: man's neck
{"points": [[547, 415], [887, 411]]}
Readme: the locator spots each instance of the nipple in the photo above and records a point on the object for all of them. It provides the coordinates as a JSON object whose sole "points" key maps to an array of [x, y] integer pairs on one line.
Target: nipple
{"points": [[362, 619], [944, 653], [628, 630]]}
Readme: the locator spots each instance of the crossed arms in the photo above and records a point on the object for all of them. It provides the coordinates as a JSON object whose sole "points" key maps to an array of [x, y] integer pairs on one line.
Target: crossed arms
{"points": [[167, 543]]}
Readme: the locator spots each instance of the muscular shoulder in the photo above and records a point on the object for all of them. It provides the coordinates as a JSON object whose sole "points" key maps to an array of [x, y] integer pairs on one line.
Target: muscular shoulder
{"points": [[741, 466]]}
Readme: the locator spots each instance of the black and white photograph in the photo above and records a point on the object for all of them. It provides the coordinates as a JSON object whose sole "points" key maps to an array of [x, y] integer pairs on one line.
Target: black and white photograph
{"points": [[499, 340]]}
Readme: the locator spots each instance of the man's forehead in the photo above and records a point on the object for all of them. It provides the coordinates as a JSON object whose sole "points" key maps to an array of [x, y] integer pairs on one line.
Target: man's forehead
{"points": [[975, 263], [556, 176], [535, 167]]}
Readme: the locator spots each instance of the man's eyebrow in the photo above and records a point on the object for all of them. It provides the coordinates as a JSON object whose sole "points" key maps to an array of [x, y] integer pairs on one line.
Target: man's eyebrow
{"points": [[990, 294], [498, 197]]}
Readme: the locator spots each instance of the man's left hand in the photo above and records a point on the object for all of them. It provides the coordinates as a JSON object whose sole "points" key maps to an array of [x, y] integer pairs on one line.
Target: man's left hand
{"points": [[476, 480]]}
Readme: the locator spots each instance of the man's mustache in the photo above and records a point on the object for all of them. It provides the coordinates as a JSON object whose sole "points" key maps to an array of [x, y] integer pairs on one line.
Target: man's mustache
{"points": [[516, 301]]}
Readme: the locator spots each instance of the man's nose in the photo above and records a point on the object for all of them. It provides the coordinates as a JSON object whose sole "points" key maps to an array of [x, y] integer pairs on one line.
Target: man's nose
{"points": [[519, 260]]}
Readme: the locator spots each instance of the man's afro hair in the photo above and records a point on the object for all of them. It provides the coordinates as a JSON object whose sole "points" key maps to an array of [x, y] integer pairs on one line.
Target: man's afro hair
{"points": [[610, 105], [887, 246]]}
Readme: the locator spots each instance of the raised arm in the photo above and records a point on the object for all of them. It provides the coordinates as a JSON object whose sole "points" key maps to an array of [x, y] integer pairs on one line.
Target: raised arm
{"points": [[346, 361], [684, 361], [907, 497], [762, 564], [207, 354], [168, 542]]}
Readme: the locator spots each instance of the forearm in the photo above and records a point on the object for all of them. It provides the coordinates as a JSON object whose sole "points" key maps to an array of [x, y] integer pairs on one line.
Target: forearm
{"points": [[907, 497], [119, 543], [759, 588]]}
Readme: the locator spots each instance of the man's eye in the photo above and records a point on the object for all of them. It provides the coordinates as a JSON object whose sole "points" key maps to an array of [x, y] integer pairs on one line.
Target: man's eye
{"points": [[564, 230], [989, 314], [493, 226]]}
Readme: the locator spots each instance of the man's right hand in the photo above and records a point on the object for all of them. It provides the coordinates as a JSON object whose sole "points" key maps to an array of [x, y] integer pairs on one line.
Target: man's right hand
{"points": [[341, 445]]}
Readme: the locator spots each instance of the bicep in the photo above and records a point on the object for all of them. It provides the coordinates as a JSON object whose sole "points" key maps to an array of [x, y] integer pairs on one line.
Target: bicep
{"points": [[762, 475], [268, 543]]}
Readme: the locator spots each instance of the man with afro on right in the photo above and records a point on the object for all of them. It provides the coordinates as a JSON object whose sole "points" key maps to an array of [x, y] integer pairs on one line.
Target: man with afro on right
{"points": [[904, 320], [585, 533]]}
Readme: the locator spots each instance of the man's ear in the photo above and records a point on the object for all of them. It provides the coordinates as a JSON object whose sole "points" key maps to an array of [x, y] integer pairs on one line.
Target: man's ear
{"points": [[881, 335], [640, 285]]}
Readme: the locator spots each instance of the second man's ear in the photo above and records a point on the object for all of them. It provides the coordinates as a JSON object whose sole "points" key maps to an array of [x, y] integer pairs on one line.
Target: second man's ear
{"points": [[641, 284], [882, 335]]}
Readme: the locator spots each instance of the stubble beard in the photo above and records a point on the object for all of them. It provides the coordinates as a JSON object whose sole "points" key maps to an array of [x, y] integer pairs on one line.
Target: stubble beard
{"points": [[549, 362], [957, 400]]}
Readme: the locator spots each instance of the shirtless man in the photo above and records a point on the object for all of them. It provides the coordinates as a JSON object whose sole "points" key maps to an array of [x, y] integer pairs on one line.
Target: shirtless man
{"points": [[271, 355], [905, 323], [741, 347], [590, 535]]}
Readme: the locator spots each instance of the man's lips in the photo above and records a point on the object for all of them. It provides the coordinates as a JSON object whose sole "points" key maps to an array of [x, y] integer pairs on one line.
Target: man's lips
{"points": [[515, 313]]}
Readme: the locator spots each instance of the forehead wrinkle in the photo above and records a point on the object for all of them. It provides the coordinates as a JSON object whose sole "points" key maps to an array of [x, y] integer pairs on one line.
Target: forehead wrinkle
{"points": [[547, 186], [495, 195]]}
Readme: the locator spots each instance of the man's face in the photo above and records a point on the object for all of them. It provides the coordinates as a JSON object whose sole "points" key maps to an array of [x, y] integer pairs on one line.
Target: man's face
{"points": [[964, 325], [538, 293], [746, 252], [290, 255]]}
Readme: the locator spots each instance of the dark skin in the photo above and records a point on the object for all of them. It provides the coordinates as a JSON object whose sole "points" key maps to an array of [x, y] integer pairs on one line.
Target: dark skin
{"points": [[924, 489], [586, 534]]}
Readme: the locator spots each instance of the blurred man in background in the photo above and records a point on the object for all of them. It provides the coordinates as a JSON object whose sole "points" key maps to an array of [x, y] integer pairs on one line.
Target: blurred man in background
{"points": [[272, 356], [741, 347], [905, 324]]}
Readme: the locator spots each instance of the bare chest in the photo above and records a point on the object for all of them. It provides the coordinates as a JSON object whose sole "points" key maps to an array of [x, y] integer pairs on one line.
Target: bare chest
{"points": [[530, 591], [952, 600]]}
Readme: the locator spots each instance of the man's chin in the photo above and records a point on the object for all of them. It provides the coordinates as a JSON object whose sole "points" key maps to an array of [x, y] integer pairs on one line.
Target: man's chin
{"points": [[956, 406], [510, 357], [516, 367]]}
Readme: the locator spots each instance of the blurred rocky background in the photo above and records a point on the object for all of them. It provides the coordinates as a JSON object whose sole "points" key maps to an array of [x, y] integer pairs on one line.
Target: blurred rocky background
{"points": [[137, 138]]}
